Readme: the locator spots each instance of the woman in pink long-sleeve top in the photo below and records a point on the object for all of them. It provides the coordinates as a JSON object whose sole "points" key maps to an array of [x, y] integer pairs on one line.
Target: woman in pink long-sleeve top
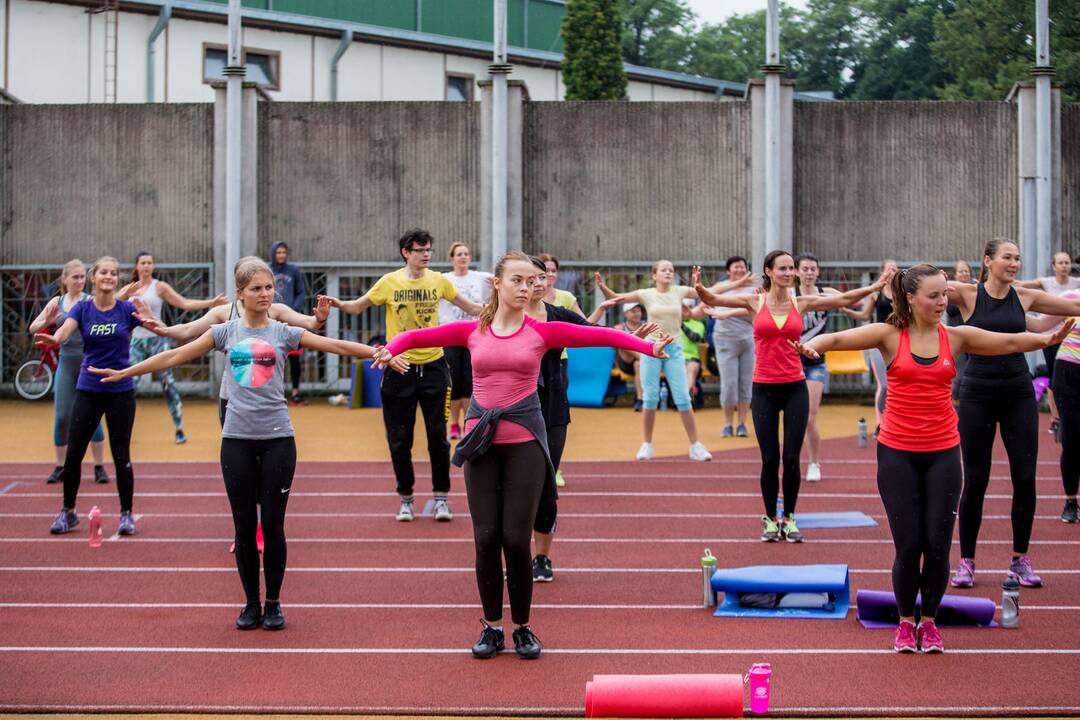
{"points": [[505, 447]]}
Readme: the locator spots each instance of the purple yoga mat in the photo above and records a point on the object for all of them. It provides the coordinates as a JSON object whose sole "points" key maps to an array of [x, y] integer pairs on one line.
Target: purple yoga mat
{"points": [[877, 609]]}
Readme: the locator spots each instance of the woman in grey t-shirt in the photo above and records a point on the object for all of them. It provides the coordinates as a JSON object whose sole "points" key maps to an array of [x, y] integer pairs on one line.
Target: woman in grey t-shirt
{"points": [[258, 451]]}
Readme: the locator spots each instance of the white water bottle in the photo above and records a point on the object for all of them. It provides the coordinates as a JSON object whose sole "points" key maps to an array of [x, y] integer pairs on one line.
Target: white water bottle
{"points": [[663, 397], [1010, 602], [863, 439]]}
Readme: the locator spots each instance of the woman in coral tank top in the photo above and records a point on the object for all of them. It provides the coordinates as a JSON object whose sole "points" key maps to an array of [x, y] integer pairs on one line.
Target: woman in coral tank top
{"points": [[918, 451], [779, 381]]}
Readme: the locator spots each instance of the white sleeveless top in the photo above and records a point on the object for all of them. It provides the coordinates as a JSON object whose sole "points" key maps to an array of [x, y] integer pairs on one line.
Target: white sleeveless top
{"points": [[154, 302]]}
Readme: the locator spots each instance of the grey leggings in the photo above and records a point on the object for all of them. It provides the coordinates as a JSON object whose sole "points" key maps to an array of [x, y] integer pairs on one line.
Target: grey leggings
{"points": [[735, 360], [67, 373]]}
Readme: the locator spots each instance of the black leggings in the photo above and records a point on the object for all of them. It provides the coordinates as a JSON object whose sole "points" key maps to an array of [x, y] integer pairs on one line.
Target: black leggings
{"points": [[503, 486], [294, 371], [547, 512], [1067, 397], [259, 472], [1019, 420], [920, 491], [428, 386], [119, 411], [767, 401]]}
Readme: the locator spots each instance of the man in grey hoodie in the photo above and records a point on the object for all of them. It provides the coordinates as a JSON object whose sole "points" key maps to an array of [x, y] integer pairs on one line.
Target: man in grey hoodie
{"points": [[290, 290]]}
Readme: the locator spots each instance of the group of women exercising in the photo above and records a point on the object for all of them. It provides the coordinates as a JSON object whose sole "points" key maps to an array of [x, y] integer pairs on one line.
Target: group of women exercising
{"points": [[514, 426]]}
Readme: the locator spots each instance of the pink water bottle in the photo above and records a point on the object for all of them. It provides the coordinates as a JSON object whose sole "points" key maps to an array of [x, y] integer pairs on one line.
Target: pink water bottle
{"points": [[95, 527], [760, 676]]}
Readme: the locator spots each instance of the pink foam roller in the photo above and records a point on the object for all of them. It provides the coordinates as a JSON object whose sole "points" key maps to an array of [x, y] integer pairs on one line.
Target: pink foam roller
{"points": [[664, 696]]}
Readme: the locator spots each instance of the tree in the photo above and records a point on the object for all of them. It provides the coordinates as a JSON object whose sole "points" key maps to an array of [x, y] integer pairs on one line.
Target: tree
{"points": [[735, 49], [592, 65], [990, 45], [657, 33], [898, 63], [825, 49]]}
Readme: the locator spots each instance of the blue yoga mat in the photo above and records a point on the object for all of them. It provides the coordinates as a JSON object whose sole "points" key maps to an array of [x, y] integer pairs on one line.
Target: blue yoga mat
{"points": [[832, 579], [810, 521], [589, 370]]}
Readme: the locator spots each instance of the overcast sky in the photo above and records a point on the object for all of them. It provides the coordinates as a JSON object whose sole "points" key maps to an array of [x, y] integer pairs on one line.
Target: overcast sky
{"points": [[718, 10]]}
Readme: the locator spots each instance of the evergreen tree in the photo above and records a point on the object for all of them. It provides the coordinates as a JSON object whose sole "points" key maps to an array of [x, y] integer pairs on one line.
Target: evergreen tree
{"points": [[593, 65]]}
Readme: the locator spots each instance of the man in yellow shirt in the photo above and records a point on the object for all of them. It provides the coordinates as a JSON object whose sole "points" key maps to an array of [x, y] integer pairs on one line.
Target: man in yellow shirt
{"points": [[412, 296]]}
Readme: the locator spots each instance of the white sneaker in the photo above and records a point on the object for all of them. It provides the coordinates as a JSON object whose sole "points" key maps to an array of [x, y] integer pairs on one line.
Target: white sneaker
{"points": [[442, 511], [645, 451], [405, 512], [699, 453], [813, 473]]}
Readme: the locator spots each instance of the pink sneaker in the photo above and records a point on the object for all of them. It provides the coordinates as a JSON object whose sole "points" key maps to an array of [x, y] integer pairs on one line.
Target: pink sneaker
{"points": [[929, 637], [1021, 568], [905, 637], [965, 574], [455, 431]]}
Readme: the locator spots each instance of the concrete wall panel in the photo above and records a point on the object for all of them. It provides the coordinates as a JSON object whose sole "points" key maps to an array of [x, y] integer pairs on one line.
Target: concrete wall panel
{"points": [[1070, 178], [38, 31], [908, 180], [412, 75], [185, 59], [615, 181], [87, 180], [342, 181]]}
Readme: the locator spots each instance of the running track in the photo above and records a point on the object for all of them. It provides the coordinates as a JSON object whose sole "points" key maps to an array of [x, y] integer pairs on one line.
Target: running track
{"points": [[381, 614]]}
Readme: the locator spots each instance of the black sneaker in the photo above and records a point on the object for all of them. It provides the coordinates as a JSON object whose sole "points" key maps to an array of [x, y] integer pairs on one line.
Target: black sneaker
{"points": [[272, 618], [181, 438], [542, 569], [249, 617], [1068, 515], [490, 643], [100, 476], [526, 644], [57, 475]]}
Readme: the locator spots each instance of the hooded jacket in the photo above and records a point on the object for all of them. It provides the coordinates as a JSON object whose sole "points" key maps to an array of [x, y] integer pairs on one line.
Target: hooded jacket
{"points": [[288, 281]]}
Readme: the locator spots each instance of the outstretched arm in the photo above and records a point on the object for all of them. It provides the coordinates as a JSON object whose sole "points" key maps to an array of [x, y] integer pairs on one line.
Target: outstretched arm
{"points": [[1044, 302], [161, 361], [46, 317], [352, 349], [283, 313], [467, 305], [746, 301], [561, 334], [179, 301], [190, 330], [61, 335], [983, 342], [808, 303], [449, 335], [349, 307], [860, 338]]}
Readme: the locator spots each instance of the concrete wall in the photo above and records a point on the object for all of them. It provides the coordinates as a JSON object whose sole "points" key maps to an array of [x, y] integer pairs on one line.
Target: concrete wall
{"points": [[82, 181], [907, 180], [342, 181], [637, 180], [1070, 178]]}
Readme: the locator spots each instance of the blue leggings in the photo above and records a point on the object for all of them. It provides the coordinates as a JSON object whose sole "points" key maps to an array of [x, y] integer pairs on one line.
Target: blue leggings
{"points": [[67, 373], [674, 371]]}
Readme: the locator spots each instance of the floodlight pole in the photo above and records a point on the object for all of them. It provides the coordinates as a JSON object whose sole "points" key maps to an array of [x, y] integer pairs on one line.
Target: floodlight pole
{"points": [[498, 70], [234, 79], [1043, 72], [773, 69]]}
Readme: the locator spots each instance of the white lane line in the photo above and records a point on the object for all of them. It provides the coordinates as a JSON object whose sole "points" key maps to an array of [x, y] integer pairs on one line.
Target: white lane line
{"points": [[423, 466], [9, 487], [562, 540], [562, 494], [385, 515], [892, 710], [780, 652], [509, 711], [470, 570], [392, 606], [603, 476]]}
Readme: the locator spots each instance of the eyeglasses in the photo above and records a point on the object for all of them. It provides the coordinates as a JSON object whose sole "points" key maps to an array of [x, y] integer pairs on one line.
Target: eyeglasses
{"points": [[424, 250]]}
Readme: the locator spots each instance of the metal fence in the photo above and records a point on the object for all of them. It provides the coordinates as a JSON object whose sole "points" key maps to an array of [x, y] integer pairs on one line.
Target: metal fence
{"points": [[25, 290]]}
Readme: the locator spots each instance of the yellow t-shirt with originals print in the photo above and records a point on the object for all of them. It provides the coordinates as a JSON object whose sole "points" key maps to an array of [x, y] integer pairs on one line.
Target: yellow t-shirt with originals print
{"points": [[411, 305]]}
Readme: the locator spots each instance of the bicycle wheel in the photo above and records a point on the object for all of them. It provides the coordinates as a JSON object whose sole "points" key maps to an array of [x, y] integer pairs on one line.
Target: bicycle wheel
{"points": [[33, 380]]}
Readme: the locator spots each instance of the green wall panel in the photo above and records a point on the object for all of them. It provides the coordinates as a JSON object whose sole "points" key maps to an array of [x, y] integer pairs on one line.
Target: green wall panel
{"points": [[386, 13], [545, 25], [470, 19]]}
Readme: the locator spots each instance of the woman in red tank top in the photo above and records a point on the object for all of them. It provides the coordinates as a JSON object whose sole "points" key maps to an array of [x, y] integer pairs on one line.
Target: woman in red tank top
{"points": [[919, 470], [779, 383]]}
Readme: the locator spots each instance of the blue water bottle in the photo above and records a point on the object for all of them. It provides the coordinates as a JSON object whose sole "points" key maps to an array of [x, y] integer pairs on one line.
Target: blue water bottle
{"points": [[663, 397]]}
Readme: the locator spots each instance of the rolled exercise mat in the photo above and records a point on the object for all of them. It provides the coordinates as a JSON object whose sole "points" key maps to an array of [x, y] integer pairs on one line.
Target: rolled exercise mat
{"points": [[664, 696], [783, 579], [877, 609]]}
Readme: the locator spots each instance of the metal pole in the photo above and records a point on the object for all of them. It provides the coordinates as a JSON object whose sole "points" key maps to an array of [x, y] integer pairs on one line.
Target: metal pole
{"points": [[1043, 71], [772, 69], [234, 76], [498, 70]]}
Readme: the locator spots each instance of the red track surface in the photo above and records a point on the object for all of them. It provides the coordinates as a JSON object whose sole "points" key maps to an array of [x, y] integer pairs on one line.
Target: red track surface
{"points": [[381, 613]]}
